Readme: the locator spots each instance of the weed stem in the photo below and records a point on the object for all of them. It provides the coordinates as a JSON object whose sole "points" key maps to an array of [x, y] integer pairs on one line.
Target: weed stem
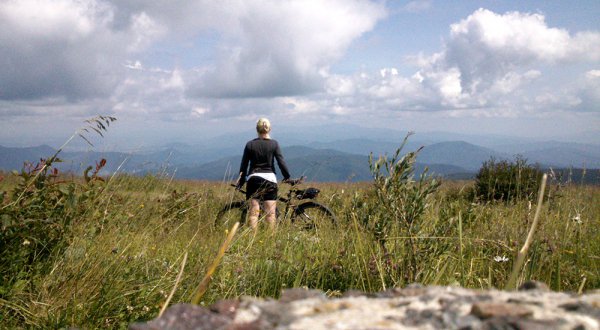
{"points": [[512, 282]]}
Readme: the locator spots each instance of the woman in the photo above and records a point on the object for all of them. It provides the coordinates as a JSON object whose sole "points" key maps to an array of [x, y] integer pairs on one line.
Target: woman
{"points": [[260, 154]]}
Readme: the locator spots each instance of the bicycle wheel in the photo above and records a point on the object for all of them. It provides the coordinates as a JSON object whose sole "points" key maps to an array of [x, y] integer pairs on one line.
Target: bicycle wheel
{"points": [[312, 215], [231, 213]]}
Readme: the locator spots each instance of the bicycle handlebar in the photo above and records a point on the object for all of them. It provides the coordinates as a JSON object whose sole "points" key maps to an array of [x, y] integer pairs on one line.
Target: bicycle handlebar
{"points": [[293, 182]]}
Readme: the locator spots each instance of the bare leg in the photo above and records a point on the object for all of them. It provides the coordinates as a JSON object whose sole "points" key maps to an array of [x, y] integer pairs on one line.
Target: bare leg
{"points": [[271, 211], [254, 212]]}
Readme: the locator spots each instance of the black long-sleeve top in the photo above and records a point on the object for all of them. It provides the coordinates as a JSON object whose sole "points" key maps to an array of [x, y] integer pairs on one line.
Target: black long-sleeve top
{"points": [[260, 154]]}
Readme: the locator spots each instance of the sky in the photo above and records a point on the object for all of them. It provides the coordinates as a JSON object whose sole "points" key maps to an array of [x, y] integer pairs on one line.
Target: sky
{"points": [[187, 70]]}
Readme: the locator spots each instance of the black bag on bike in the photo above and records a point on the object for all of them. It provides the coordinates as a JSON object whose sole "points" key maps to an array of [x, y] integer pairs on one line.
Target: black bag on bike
{"points": [[309, 193]]}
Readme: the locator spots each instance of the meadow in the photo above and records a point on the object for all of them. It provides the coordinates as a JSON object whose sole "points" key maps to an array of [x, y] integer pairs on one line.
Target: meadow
{"points": [[118, 257]]}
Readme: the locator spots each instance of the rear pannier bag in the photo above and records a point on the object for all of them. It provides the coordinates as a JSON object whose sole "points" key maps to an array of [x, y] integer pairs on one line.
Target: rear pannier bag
{"points": [[308, 193]]}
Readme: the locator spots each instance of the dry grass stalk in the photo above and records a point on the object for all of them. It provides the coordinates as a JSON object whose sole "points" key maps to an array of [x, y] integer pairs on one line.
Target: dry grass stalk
{"points": [[201, 289], [580, 290], [512, 282], [162, 310]]}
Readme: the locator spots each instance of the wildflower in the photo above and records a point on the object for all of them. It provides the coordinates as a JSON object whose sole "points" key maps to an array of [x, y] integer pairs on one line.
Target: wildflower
{"points": [[142, 206], [146, 308], [500, 259], [26, 242], [129, 308], [577, 218]]}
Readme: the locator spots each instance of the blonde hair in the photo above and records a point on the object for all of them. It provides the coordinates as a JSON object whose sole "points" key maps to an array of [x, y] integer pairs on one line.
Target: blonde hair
{"points": [[263, 126]]}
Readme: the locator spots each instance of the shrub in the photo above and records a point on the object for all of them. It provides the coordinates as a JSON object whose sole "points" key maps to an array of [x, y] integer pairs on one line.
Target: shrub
{"points": [[33, 222], [401, 200], [504, 180], [37, 216]]}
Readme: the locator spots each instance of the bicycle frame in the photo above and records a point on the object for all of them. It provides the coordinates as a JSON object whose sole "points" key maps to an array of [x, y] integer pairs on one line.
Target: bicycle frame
{"points": [[297, 206], [288, 199]]}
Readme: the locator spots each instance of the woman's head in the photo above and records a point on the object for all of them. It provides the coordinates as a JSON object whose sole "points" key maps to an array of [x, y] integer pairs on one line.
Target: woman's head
{"points": [[263, 126]]}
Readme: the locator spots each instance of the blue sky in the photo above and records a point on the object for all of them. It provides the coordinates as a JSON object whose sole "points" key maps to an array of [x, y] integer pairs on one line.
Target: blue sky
{"points": [[188, 70]]}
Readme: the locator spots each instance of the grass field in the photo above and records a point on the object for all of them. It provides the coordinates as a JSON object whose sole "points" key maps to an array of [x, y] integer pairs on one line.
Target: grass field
{"points": [[123, 250]]}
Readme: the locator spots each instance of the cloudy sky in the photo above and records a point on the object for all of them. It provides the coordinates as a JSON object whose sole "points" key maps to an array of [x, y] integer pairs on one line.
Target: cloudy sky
{"points": [[184, 70]]}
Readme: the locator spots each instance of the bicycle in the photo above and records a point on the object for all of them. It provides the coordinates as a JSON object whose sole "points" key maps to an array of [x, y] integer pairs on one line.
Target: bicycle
{"points": [[300, 206]]}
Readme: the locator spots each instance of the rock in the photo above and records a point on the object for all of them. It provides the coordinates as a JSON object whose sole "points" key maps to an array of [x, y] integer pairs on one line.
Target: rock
{"points": [[582, 308], [414, 307], [353, 293], [185, 316], [516, 323], [226, 307], [486, 310], [534, 285], [289, 295]]}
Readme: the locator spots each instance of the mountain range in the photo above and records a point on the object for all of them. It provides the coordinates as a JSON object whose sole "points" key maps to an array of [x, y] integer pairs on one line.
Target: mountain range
{"points": [[320, 160]]}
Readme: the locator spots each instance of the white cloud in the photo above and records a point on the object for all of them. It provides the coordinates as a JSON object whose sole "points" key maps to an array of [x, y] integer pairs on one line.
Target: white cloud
{"points": [[145, 30], [388, 72], [199, 111], [589, 92], [491, 63], [275, 58], [86, 52], [151, 92], [512, 80], [418, 6], [487, 46], [337, 85], [592, 74], [280, 48], [65, 48]]}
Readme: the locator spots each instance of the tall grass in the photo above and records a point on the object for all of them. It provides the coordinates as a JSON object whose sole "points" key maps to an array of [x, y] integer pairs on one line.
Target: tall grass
{"points": [[125, 251]]}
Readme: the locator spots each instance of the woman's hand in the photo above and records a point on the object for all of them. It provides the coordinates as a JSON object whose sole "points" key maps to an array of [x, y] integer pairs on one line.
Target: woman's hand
{"points": [[294, 182], [240, 182]]}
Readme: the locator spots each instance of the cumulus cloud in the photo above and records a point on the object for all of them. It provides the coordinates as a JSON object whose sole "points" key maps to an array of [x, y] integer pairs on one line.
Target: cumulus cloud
{"points": [[284, 47], [274, 57], [487, 46], [489, 61], [150, 91], [78, 51], [64, 48], [589, 93], [490, 65]]}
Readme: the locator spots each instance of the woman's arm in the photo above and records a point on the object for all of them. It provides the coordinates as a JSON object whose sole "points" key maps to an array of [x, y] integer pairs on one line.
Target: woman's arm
{"points": [[281, 162], [244, 167]]}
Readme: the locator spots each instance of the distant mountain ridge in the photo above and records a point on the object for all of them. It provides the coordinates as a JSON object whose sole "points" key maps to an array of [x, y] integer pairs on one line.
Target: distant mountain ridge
{"points": [[458, 153], [315, 164], [337, 160], [13, 158]]}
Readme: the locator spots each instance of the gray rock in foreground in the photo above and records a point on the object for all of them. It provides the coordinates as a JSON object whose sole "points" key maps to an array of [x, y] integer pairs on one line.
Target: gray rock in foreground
{"points": [[413, 307]]}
